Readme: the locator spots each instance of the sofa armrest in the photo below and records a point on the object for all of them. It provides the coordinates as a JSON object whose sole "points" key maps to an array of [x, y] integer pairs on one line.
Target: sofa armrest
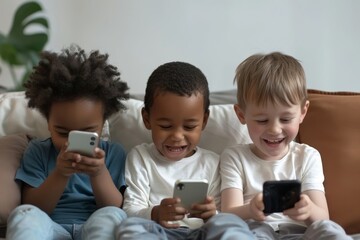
{"points": [[332, 125]]}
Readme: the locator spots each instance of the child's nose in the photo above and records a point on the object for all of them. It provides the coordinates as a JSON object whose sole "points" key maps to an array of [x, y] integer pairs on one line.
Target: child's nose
{"points": [[177, 135], [275, 128]]}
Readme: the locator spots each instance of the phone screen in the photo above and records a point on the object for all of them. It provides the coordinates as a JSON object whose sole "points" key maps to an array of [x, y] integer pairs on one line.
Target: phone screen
{"points": [[280, 195]]}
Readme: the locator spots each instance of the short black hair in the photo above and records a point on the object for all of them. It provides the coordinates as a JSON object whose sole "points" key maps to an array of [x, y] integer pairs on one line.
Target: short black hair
{"points": [[180, 78], [72, 74]]}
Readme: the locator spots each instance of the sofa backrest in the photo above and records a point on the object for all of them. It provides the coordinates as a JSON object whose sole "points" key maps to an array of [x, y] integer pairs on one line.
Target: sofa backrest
{"points": [[126, 127]]}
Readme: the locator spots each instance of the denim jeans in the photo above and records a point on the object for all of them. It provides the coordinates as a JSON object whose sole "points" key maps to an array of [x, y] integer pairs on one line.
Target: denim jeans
{"points": [[30, 223], [221, 226], [319, 230]]}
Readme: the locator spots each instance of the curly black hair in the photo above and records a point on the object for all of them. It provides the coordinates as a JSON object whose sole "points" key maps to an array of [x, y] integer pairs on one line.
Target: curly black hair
{"points": [[180, 78], [72, 74]]}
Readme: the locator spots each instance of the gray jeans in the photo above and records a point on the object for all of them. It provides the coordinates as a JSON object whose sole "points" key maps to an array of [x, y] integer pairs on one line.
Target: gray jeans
{"points": [[321, 229]]}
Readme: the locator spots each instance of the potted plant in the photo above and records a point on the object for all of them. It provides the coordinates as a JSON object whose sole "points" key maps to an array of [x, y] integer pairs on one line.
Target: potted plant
{"points": [[20, 49]]}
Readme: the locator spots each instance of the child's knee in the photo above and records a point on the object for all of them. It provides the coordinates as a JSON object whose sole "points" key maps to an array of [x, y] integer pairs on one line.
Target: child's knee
{"points": [[109, 215], [226, 219], [27, 217], [325, 225], [111, 211], [24, 211]]}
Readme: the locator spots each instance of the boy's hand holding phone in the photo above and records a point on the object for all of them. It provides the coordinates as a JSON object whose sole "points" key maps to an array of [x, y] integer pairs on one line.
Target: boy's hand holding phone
{"points": [[83, 142], [302, 209], [193, 197], [92, 166], [168, 212], [204, 210], [280, 195], [84, 154], [256, 208], [64, 162]]}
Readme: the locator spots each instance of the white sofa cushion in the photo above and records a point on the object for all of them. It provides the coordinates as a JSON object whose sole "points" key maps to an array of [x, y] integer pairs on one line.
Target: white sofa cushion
{"points": [[126, 127], [16, 117], [223, 128]]}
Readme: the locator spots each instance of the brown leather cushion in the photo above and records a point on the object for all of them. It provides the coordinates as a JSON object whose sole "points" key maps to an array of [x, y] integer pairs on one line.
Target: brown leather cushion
{"points": [[332, 125]]}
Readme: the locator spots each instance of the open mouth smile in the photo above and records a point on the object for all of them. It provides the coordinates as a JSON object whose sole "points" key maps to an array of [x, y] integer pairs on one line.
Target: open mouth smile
{"points": [[175, 149], [275, 141]]}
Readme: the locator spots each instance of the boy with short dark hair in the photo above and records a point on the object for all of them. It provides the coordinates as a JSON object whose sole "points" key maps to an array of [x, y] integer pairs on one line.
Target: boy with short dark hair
{"points": [[176, 111]]}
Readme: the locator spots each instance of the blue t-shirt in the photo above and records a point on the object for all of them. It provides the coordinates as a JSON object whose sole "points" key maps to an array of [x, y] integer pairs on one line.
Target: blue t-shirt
{"points": [[77, 202]]}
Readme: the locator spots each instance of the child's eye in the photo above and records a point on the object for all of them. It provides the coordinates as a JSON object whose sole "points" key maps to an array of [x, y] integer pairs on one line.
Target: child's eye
{"points": [[286, 120], [262, 121], [165, 126], [63, 134], [189, 127]]}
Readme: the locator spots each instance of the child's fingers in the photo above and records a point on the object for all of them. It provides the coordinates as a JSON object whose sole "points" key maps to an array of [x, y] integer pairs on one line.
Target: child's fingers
{"points": [[169, 201], [99, 153], [204, 210], [209, 199]]}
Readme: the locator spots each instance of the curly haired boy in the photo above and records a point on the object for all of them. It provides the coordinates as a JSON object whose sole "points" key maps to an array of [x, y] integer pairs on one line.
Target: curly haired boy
{"points": [[66, 195]]}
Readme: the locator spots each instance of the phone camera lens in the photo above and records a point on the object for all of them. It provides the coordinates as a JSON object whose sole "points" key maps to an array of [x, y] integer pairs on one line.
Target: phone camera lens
{"points": [[92, 138], [92, 143], [180, 186]]}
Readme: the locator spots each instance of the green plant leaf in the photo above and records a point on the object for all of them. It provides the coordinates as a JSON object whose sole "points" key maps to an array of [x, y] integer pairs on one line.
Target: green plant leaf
{"points": [[22, 20], [24, 11], [21, 47], [18, 44]]}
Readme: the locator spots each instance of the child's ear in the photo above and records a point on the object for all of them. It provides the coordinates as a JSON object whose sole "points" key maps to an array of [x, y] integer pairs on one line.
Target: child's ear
{"points": [[205, 119], [145, 117], [240, 113], [304, 110]]}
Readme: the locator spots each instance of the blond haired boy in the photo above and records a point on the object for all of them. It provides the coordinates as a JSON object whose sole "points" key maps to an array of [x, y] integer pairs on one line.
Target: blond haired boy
{"points": [[272, 102]]}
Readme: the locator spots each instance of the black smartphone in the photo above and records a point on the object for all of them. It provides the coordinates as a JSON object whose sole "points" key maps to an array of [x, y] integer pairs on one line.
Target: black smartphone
{"points": [[280, 195]]}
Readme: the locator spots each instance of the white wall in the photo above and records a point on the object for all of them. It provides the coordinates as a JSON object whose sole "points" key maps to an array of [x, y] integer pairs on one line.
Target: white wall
{"points": [[214, 35]]}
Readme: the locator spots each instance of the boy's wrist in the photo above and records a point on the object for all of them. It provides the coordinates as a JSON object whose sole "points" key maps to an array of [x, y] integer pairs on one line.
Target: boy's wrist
{"points": [[59, 174], [155, 214]]}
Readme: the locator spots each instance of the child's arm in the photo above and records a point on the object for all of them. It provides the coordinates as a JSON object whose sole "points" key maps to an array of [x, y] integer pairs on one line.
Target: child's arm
{"points": [[137, 201], [311, 207], [104, 189], [232, 201], [47, 195]]}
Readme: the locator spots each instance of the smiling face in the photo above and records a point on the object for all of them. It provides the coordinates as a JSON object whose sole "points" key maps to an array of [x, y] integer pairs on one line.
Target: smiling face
{"points": [[272, 127], [176, 123], [80, 114]]}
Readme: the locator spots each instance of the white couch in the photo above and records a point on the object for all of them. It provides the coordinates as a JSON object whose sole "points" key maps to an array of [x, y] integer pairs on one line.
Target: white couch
{"points": [[17, 121]]}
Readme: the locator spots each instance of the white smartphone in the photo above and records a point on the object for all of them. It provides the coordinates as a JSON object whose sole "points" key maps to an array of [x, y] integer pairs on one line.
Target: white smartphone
{"points": [[82, 142], [190, 192]]}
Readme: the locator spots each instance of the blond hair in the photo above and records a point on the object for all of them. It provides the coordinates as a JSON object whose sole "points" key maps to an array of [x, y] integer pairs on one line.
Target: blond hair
{"points": [[270, 78]]}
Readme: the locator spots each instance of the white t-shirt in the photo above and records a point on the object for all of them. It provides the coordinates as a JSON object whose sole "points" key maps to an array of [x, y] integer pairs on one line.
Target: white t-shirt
{"points": [[150, 178], [240, 168]]}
